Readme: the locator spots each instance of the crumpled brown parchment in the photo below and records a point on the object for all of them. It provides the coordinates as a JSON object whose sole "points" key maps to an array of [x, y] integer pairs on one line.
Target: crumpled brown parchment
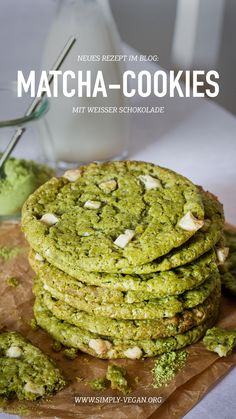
{"points": [[202, 370]]}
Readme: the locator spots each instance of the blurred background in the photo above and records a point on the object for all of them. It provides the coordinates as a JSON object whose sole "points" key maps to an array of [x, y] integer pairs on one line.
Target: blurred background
{"points": [[197, 34]]}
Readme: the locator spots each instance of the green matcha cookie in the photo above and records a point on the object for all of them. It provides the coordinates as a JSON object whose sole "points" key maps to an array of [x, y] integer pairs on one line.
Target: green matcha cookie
{"points": [[113, 215], [220, 340], [202, 241], [26, 373], [55, 278], [228, 269], [94, 344], [135, 329], [163, 307], [159, 284], [168, 306]]}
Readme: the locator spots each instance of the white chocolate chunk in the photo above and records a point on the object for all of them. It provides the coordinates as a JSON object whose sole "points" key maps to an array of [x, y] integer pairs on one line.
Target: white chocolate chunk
{"points": [[92, 204], [72, 175], [150, 182], [100, 346], [222, 254], [39, 257], [111, 354], [123, 239], [30, 387], [133, 353], [199, 313], [220, 350], [14, 352], [108, 186], [190, 223], [128, 299], [48, 252], [49, 219]]}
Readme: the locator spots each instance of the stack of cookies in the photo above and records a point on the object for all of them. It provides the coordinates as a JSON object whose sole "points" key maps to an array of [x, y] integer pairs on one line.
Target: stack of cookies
{"points": [[126, 256]]}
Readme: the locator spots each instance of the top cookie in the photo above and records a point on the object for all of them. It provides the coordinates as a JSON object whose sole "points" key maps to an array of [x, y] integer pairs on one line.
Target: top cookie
{"points": [[112, 215]]}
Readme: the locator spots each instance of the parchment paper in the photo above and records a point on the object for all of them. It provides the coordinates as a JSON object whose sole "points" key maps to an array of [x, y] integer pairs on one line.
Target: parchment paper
{"points": [[202, 369]]}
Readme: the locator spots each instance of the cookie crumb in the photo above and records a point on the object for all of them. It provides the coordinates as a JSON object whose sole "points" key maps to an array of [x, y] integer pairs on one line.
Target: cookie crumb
{"points": [[12, 282], [8, 253], [98, 384], [34, 325], [79, 379], [70, 353], [56, 346], [220, 341], [116, 375]]}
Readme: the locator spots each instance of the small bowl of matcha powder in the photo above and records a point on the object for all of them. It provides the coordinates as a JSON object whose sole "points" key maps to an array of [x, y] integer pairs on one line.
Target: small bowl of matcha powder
{"points": [[21, 178]]}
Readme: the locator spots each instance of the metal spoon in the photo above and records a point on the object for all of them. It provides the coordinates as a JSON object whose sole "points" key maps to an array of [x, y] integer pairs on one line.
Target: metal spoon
{"points": [[33, 106]]}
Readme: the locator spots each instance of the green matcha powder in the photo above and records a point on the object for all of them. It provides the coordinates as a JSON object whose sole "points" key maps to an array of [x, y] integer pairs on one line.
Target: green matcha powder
{"points": [[167, 366]]}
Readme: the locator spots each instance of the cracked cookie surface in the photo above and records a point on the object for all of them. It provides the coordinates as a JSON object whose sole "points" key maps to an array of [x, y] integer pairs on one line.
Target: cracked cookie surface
{"points": [[82, 225]]}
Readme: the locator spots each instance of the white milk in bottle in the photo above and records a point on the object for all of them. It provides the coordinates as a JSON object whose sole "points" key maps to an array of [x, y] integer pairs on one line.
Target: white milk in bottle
{"points": [[83, 137]]}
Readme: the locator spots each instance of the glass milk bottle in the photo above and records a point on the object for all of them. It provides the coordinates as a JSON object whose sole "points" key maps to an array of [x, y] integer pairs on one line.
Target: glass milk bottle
{"points": [[80, 137]]}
